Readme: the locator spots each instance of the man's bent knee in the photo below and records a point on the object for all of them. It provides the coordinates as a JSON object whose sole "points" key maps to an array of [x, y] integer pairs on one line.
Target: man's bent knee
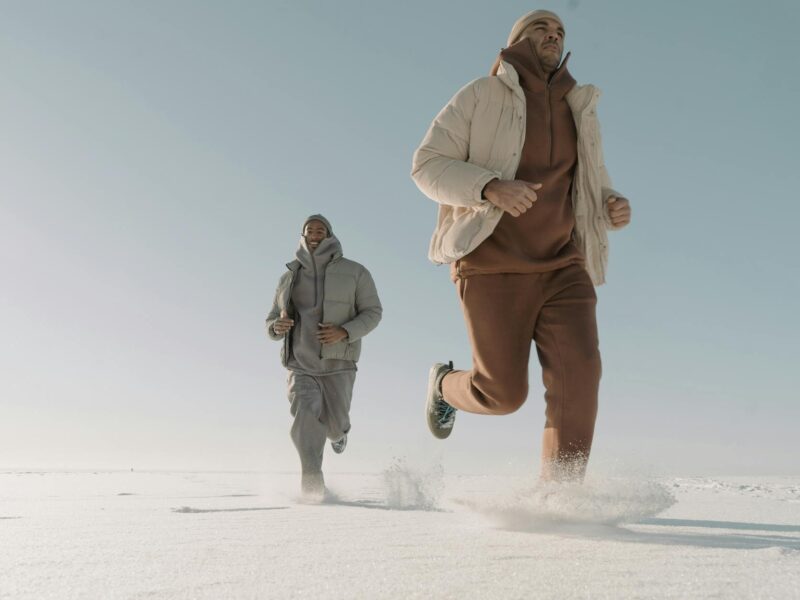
{"points": [[504, 400]]}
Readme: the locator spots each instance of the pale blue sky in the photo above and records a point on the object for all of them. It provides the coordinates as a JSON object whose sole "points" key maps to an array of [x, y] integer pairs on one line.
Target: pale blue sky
{"points": [[158, 158]]}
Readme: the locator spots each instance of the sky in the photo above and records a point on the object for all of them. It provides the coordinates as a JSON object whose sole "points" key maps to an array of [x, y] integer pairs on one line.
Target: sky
{"points": [[157, 161]]}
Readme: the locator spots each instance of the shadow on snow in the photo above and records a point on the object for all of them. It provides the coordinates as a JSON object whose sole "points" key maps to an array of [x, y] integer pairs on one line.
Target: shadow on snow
{"points": [[189, 509], [667, 538]]}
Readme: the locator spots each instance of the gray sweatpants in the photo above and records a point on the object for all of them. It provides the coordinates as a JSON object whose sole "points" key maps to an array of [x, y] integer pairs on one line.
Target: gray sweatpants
{"points": [[320, 406]]}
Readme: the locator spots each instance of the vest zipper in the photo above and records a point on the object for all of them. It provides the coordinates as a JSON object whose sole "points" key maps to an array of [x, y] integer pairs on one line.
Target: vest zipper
{"points": [[316, 293], [287, 338], [322, 307]]}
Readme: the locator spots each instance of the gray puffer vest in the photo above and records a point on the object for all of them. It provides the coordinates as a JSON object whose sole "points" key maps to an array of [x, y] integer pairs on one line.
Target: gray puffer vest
{"points": [[350, 300]]}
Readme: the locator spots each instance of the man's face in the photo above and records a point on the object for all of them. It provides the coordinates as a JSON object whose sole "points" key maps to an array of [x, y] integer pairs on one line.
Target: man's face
{"points": [[547, 37], [314, 232]]}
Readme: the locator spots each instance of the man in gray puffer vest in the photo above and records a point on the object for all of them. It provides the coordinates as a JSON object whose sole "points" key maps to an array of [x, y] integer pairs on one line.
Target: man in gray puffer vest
{"points": [[323, 306]]}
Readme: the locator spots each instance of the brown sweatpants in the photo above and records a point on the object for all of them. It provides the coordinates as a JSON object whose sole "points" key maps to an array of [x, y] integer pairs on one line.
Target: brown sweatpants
{"points": [[503, 313]]}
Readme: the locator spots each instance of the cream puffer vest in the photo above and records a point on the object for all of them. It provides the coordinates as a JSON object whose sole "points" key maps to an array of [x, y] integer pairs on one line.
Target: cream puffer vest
{"points": [[478, 137]]}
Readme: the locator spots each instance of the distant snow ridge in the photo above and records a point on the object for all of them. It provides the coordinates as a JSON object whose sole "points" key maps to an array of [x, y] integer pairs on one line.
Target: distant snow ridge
{"points": [[408, 489], [739, 486], [601, 502]]}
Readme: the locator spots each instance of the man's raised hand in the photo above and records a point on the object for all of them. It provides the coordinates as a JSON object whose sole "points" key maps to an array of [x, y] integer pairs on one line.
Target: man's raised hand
{"points": [[283, 324], [329, 333], [619, 211], [514, 197]]}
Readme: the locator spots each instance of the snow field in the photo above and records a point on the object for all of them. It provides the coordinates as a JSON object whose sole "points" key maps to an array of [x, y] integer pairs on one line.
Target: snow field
{"points": [[398, 534]]}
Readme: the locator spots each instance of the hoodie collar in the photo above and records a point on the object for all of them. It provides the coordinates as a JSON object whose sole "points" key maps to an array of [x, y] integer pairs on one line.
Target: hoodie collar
{"points": [[328, 250], [531, 76]]}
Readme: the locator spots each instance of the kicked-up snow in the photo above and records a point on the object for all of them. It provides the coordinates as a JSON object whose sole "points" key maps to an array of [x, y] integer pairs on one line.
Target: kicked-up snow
{"points": [[596, 501], [399, 534]]}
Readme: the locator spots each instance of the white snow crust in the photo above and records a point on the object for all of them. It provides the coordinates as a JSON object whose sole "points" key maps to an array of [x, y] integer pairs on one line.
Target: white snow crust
{"points": [[397, 534]]}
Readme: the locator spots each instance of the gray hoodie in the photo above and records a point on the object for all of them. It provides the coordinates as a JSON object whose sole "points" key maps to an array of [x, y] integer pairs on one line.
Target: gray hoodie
{"points": [[307, 298]]}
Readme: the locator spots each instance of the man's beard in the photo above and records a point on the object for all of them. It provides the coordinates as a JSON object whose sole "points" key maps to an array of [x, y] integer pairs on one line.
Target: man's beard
{"points": [[550, 61]]}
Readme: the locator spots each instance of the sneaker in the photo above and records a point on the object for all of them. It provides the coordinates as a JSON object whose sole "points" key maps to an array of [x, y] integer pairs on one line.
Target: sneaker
{"points": [[439, 413], [339, 445]]}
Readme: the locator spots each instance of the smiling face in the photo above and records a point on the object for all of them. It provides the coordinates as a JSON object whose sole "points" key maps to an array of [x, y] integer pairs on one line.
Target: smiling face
{"points": [[314, 232], [547, 37]]}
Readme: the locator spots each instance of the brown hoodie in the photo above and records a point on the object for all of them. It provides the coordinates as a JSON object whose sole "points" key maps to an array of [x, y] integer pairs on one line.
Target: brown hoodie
{"points": [[540, 239]]}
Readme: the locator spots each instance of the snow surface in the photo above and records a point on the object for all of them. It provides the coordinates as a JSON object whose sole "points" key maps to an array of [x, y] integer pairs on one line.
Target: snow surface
{"points": [[397, 534]]}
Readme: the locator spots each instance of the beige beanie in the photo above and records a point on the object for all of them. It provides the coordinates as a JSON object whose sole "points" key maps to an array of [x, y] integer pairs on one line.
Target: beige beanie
{"points": [[526, 20]]}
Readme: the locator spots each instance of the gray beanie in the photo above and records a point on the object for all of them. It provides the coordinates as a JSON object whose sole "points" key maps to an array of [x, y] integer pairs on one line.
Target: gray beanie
{"points": [[322, 220], [526, 20]]}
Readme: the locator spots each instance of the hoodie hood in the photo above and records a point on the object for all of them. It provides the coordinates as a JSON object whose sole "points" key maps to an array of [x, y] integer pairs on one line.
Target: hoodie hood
{"points": [[329, 249]]}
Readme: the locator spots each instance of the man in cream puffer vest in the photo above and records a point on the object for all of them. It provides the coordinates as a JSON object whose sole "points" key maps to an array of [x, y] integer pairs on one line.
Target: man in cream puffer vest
{"points": [[515, 162], [323, 306]]}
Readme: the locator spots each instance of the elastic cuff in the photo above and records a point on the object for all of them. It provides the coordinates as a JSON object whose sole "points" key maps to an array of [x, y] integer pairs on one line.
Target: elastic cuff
{"points": [[482, 183]]}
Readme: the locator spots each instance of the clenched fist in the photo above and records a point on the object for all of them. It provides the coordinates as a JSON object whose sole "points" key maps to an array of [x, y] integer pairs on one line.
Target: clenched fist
{"points": [[619, 211], [330, 334], [514, 197], [283, 324]]}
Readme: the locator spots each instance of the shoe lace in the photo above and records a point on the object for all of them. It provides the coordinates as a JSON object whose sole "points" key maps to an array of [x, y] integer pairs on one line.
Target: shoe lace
{"points": [[445, 413]]}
